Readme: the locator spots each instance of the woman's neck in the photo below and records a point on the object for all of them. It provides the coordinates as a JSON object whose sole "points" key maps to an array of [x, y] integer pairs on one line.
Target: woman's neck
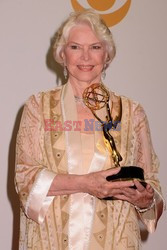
{"points": [[79, 86]]}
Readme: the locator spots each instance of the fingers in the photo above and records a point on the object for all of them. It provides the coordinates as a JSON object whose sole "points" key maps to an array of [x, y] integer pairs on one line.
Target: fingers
{"points": [[120, 184], [141, 197], [115, 188], [111, 171], [98, 186], [150, 189], [129, 192], [139, 186]]}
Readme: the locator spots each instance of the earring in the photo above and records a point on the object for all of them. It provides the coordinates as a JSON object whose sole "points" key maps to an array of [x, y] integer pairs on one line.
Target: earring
{"points": [[103, 73], [65, 72]]}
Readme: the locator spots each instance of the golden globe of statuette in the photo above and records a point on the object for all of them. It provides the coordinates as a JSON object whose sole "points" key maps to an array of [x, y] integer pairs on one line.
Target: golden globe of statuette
{"points": [[95, 96]]}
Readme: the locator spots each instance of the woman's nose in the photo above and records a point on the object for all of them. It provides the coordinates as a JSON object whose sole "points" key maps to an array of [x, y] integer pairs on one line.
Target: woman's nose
{"points": [[85, 54]]}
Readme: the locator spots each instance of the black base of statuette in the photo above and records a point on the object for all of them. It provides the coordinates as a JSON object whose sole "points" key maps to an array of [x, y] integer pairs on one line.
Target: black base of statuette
{"points": [[127, 173]]}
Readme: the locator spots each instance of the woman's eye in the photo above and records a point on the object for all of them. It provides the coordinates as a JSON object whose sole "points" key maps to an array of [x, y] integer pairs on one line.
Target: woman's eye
{"points": [[96, 47], [74, 47]]}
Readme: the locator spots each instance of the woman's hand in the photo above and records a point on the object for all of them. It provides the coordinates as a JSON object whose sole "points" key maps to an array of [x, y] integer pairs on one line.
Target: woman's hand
{"points": [[96, 184], [142, 197], [93, 183]]}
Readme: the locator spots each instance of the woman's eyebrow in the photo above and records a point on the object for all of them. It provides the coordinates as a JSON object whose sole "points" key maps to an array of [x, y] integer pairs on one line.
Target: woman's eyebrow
{"points": [[82, 44], [74, 43]]}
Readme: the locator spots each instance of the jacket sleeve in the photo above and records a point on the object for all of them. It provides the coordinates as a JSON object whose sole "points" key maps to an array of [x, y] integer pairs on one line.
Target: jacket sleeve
{"points": [[32, 177], [146, 158]]}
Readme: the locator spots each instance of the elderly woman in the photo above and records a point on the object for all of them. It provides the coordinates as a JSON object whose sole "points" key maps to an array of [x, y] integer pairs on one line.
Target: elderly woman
{"points": [[62, 164]]}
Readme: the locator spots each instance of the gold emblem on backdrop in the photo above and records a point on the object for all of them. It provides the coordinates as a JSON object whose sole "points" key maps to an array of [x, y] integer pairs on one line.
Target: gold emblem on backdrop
{"points": [[110, 19]]}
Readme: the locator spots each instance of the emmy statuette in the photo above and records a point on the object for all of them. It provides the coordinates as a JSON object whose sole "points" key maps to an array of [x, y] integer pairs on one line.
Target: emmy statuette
{"points": [[95, 98]]}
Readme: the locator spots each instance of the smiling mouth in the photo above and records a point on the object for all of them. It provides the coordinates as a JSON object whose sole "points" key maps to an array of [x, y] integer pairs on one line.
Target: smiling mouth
{"points": [[85, 68]]}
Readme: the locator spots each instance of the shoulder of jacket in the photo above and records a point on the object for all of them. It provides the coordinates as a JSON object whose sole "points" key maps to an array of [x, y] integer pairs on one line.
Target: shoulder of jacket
{"points": [[44, 94]]}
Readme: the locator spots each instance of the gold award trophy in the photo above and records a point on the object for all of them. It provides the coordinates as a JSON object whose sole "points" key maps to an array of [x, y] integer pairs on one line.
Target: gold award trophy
{"points": [[95, 98]]}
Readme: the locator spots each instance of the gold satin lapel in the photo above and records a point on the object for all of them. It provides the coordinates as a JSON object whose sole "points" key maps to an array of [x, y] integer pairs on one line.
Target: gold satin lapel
{"points": [[74, 165], [124, 131], [73, 139]]}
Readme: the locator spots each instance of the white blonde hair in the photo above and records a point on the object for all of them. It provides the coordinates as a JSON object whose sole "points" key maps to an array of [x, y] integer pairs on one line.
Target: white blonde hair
{"points": [[91, 18]]}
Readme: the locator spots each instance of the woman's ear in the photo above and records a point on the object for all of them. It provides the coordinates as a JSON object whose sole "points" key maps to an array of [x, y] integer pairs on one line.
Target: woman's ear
{"points": [[107, 61], [62, 54], [106, 57]]}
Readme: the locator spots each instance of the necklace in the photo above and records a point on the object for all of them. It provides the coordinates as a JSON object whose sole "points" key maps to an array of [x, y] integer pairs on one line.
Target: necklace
{"points": [[79, 100]]}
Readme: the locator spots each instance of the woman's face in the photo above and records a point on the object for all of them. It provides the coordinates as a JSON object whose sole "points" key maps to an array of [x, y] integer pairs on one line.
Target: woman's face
{"points": [[84, 55]]}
